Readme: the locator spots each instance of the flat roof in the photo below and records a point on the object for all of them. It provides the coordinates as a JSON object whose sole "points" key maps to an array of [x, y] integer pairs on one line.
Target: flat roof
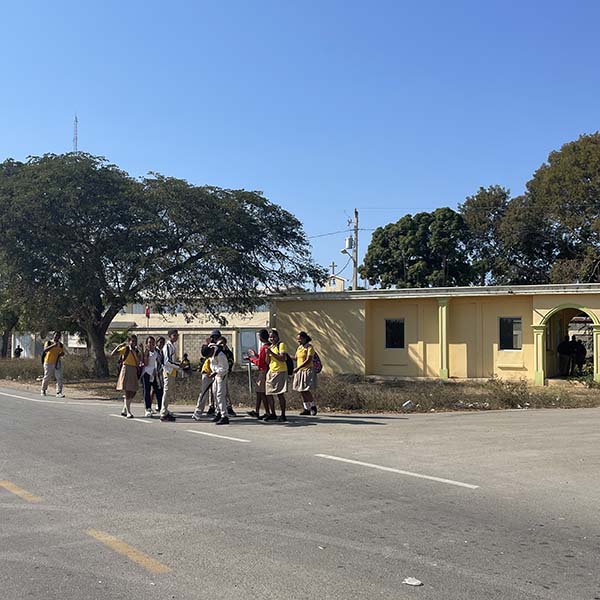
{"points": [[446, 292]]}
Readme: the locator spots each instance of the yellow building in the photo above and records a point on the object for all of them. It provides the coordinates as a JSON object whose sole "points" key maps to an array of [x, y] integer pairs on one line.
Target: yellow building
{"points": [[510, 332]]}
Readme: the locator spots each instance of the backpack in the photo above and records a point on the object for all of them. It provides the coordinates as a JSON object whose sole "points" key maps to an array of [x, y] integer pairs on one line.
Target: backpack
{"points": [[289, 363], [317, 364]]}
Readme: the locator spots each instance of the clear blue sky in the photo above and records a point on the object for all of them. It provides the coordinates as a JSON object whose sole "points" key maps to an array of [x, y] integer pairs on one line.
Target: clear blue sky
{"points": [[324, 105]]}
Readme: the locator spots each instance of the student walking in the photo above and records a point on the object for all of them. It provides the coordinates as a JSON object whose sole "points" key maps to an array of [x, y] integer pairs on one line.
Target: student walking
{"points": [[211, 339], [277, 377], [171, 368], [150, 379], [222, 342], [51, 359], [260, 360], [127, 381], [206, 384], [305, 377]]}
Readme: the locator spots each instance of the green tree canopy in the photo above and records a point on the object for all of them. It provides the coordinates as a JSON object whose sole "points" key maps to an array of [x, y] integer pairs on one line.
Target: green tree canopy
{"points": [[424, 250], [84, 238]]}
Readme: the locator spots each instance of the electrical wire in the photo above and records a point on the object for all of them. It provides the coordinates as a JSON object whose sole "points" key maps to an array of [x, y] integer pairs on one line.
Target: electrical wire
{"points": [[312, 237]]}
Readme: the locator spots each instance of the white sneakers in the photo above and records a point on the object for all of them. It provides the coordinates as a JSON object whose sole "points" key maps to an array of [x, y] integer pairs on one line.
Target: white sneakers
{"points": [[59, 395], [148, 414], [42, 393], [197, 416]]}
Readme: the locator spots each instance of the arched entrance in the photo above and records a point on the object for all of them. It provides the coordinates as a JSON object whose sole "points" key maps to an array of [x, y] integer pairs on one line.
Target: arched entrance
{"points": [[563, 320]]}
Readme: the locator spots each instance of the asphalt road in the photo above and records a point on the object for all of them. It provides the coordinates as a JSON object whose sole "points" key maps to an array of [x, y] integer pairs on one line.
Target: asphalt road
{"points": [[494, 505]]}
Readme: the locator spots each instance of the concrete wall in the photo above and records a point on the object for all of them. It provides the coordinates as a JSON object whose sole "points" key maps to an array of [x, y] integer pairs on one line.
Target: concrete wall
{"points": [[337, 329]]}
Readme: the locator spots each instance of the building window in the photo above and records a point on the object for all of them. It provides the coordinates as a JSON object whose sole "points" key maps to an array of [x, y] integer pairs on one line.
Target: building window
{"points": [[394, 333], [511, 333]]}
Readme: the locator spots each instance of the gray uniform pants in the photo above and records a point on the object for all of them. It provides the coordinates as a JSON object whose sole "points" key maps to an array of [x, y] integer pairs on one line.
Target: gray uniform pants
{"points": [[51, 370]]}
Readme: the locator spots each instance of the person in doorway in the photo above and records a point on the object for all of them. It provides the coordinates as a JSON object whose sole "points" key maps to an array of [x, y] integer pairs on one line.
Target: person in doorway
{"points": [[564, 357], [277, 377], [260, 360], [580, 354], [150, 379], [51, 359], [127, 381], [305, 378], [573, 355], [18, 351], [171, 369]]}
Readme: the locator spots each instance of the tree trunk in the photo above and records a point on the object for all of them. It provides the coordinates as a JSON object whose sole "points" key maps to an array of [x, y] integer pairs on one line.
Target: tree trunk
{"points": [[95, 336], [4, 343]]}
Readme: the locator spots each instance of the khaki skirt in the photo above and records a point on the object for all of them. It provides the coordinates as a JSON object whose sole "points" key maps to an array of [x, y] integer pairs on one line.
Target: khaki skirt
{"points": [[260, 381], [128, 379], [305, 380], [276, 383]]}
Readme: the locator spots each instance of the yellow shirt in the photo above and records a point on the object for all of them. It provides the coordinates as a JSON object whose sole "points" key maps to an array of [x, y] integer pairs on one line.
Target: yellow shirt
{"points": [[302, 354], [206, 367], [51, 357], [132, 357], [275, 365]]}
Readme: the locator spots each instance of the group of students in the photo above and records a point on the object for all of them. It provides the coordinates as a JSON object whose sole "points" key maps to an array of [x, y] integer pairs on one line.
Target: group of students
{"points": [[155, 366], [571, 356]]}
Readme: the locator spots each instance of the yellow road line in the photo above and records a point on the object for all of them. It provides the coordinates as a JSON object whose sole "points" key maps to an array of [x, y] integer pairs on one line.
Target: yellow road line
{"points": [[126, 550], [17, 491]]}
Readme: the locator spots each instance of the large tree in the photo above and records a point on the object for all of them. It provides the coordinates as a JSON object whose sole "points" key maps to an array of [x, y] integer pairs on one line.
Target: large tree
{"points": [[483, 213], [85, 238], [424, 250], [566, 190]]}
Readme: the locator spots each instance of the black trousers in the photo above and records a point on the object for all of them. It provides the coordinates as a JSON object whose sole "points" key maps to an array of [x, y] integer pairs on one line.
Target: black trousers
{"points": [[148, 385]]}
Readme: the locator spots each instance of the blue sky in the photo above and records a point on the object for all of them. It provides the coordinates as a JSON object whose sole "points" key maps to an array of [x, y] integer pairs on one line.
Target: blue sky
{"points": [[324, 105]]}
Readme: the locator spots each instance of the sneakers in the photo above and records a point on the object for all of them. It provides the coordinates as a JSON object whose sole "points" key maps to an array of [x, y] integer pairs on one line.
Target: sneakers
{"points": [[197, 416], [304, 413], [130, 416], [167, 417], [42, 393], [59, 395], [148, 414], [253, 414], [223, 421], [217, 417], [123, 413], [282, 419], [313, 410], [231, 412], [211, 410], [270, 418]]}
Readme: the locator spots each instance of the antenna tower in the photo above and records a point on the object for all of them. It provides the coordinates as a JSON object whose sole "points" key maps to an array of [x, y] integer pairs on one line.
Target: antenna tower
{"points": [[75, 134]]}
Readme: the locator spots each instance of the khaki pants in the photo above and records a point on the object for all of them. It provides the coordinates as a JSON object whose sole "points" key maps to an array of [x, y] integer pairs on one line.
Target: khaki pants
{"points": [[168, 391], [52, 371]]}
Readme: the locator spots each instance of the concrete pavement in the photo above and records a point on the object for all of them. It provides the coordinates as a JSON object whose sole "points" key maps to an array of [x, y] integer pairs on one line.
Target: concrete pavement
{"points": [[281, 515]]}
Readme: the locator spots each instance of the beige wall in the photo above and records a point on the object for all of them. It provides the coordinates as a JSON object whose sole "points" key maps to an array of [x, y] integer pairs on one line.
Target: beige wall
{"points": [[337, 329]]}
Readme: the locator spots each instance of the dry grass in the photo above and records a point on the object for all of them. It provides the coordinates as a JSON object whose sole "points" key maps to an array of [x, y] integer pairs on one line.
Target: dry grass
{"points": [[342, 393]]}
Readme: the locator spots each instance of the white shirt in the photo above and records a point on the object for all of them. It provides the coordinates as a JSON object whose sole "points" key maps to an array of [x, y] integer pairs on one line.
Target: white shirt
{"points": [[219, 364], [150, 368], [171, 365]]}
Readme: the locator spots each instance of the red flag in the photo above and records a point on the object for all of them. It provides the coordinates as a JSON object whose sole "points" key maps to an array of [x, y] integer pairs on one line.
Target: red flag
{"points": [[147, 312]]}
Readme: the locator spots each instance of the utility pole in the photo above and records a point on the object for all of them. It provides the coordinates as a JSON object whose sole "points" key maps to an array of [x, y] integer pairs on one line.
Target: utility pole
{"points": [[355, 253]]}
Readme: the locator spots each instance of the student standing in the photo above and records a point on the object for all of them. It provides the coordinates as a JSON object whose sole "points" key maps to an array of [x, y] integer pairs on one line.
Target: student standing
{"points": [[222, 342], [305, 378], [260, 360], [150, 380], [206, 384], [127, 381], [160, 372], [53, 352], [277, 377], [171, 368], [219, 369], [211, 339]]}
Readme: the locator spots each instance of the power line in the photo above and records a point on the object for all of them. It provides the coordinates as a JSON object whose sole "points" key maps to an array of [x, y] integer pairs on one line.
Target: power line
{"points": [[311, 237]]}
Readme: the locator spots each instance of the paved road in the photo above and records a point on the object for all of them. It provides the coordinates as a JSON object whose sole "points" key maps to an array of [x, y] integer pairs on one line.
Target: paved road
{"points": [[499, 505]]}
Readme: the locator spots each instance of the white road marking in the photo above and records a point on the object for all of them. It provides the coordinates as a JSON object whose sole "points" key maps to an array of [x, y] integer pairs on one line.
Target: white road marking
{"points": [[399, 471], [145, 420], [58, 401], [224, 437]]}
